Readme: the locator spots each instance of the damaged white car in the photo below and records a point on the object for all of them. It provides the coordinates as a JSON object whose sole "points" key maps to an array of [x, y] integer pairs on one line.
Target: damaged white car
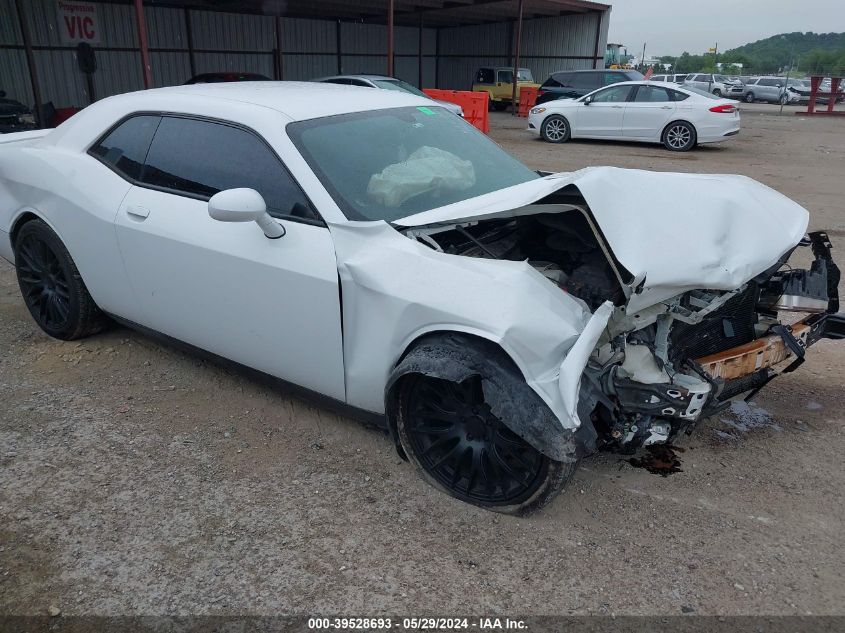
{"points": [[376, 250]]}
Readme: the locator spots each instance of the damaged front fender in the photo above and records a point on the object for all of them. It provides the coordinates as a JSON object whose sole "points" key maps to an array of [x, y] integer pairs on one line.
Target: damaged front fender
{"points": [[396, 290]]}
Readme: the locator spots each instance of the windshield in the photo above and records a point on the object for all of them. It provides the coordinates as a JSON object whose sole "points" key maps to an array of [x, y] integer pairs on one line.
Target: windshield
{"points": [[388, 164], [401, 86], [720, 78]]}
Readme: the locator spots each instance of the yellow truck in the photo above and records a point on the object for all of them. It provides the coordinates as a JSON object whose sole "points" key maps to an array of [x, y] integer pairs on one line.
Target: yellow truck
{"points": [[497, 81]]}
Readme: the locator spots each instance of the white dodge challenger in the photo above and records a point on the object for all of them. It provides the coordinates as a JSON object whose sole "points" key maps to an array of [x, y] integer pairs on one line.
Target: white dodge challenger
{"points": [[376, 250]]}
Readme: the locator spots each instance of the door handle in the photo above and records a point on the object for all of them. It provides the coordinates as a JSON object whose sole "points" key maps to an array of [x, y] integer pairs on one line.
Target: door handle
{"points": [[665, 107], [137, 211], [616, 106]]}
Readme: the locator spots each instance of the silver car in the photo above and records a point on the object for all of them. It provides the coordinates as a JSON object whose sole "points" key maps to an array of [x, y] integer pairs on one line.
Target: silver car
{"points": [[719, 85], [770, 89], [384, 82]]}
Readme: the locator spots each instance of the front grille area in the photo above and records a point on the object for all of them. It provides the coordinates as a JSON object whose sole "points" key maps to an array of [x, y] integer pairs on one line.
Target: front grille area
{"points": [[729, 326]]}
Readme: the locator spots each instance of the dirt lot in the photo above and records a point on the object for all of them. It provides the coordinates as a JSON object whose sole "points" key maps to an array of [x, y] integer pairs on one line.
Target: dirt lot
{"points": [[138, 479]]}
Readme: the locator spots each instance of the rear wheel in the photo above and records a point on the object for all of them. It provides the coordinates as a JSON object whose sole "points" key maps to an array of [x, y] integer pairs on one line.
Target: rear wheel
{"points": [[51, 285], [498, 106], [679, 136], [450, 434], [555, 129]]}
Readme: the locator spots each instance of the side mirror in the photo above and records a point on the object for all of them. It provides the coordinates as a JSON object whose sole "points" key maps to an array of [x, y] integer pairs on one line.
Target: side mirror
{"points": [[244, 205], [588, 100]]}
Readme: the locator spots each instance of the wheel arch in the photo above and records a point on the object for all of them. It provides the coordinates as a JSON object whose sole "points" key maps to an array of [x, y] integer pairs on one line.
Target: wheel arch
{"points": [[453, 354], [23, 216]]}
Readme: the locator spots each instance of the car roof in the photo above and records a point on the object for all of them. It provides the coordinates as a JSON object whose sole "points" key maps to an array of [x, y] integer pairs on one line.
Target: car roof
{"points": [[359, 76], [298, 100]]}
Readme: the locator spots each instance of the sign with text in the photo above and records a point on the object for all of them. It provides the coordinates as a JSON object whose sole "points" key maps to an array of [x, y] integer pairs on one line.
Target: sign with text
{"points": [[78, 22]]}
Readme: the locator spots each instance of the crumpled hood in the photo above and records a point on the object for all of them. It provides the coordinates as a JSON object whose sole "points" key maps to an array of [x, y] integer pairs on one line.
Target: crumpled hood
{"points": [[673, 232]]}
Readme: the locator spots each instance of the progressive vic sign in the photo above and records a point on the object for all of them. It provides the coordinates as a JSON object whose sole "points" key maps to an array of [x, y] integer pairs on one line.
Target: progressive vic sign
{"points": [[78, 22]]}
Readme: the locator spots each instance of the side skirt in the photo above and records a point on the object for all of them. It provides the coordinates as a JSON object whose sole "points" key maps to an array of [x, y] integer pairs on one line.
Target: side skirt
{"points": [[367, 418]]}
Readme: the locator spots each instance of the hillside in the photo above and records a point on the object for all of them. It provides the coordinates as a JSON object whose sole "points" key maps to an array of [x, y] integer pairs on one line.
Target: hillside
{"points": [[822, 52]]}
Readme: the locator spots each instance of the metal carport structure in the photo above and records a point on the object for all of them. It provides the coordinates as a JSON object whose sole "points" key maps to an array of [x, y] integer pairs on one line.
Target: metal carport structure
{"points": [[432, 43]]}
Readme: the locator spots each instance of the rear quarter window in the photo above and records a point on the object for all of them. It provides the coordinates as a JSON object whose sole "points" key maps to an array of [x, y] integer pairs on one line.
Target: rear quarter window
{"points": [[125, 147]]}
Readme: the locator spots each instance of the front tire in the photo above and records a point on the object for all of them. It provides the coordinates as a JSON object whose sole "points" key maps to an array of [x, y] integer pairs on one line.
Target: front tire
{"points": [[458, 445], [717, 93], [679, 136], [555, 129], [749, 98], [51, 285]]}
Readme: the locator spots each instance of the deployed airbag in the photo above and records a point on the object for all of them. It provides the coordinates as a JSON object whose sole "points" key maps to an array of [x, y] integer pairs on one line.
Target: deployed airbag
{"points": [[426, 169]]}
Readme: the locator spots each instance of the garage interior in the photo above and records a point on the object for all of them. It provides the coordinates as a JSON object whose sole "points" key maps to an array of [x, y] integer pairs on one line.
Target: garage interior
{"points": [[429, 43]]}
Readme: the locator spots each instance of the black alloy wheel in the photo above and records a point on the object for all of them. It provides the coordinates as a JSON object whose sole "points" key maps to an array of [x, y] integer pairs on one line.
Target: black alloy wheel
{"points": [[43, 283], [51, 285], [464, 447]]}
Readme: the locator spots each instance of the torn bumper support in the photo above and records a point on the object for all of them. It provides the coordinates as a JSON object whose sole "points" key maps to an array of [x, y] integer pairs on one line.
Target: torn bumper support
{"points": [[749, 366]]}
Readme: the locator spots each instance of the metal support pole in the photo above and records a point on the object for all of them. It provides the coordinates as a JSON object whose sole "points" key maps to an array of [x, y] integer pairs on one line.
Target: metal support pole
{"points": [[598, 38], [189, 31], [390, 38], [142, 43], [30, 62], [514, 104], [420, 55], [437, 58], [339, 55], [280, 69]]}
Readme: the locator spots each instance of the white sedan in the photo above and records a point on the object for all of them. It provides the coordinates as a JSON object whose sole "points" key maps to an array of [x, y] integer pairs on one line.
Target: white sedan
{"points": [[679, 117], [375, 250]]}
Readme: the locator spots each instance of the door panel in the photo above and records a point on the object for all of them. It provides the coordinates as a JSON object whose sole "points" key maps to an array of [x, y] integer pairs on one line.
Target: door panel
{"points": [[648, 113], [272, 305], [603, 117]]}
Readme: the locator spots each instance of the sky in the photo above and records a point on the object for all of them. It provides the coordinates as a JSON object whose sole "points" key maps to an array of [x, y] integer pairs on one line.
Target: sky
{"points": [[671, 27]]}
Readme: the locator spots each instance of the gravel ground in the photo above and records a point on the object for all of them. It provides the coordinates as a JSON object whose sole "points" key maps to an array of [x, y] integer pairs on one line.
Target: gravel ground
{"points": [[136, 479]]}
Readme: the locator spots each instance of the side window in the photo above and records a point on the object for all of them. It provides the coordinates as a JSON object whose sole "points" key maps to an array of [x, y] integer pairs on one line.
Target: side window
{"points": [[125, 148], [565, 79], [505, 76], [616, 94], [678, 96], [200, 158], [586, 81], [651, 94], [343, 81], [613, 78], [551, 82], [485, 76]]}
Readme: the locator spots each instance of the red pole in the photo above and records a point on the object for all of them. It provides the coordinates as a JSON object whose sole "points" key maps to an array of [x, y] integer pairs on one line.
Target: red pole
{"points": [[514, 102], [142, 42], [390, 38]]}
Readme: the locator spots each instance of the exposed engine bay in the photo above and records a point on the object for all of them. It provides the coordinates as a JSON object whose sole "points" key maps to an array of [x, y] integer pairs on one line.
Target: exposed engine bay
{"points": [[659, 370]]}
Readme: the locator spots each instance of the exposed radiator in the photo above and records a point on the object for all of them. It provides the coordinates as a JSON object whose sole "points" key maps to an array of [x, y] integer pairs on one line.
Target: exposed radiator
{"points": [[729, 326]]}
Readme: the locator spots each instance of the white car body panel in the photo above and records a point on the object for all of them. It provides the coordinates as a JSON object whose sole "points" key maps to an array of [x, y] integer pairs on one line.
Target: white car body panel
{"points": [[705, 240], [635, 121], [275, 305], [227, 289]]}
